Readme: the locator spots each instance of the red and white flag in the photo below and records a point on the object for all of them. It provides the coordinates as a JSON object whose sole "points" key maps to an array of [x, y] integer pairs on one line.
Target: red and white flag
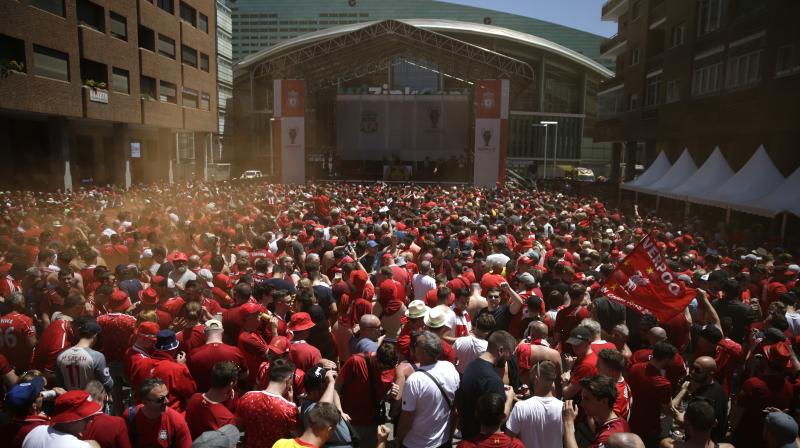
{"points": [[644, 282]]}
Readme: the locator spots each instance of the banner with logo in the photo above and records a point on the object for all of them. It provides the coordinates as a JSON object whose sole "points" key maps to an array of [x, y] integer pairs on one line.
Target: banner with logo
{"points": [[644, 282], [491, 105], [289, 132]]}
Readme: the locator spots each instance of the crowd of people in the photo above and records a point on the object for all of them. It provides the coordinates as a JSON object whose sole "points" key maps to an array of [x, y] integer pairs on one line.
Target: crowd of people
{"points": [[370, 315]]}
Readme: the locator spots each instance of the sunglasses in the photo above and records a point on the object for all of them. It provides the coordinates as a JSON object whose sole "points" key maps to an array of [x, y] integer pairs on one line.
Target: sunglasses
{"points": [[494, 297], [160, 400]]}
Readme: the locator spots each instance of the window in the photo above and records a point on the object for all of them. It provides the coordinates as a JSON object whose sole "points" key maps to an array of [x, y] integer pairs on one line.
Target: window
{"points": [[744, 69], [652, 91], [673, 91], [12, 51], [188, 14], [205, 101], [117, 25], [633, 101], [167, 92], [166, 5], [203, 22], [636, 10], [190, 98], [147, 38], [52, 6], [91, 14], [678, 35], [787, 60], [50, 63], [189, 56], [166, 46], [203, 62], [635, 56], [120, 81], [709, 16], [94, 73], [148, 87], [707, 79]]}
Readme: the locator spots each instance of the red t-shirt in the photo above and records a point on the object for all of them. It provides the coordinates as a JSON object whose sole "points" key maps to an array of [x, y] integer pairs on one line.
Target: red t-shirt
{"points": [[177, 378], [232, 322], [622, 406], [757, 393], [15, 329], [583, 368], [117, 330], [265, 418], [729, 358], [606, 429], [650, 391], [203, 415], [358, 379], [169, 431], [675, 370], [202, 359], [303, 355], [108, 431], [55, 338], [262, 379], [191, 338], [496, 440], [567, 319], [448, 354], [254, 348]]}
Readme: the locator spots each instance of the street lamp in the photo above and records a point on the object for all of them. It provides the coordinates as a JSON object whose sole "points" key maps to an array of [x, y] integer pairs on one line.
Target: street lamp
{"points": [[555, 144], [544, 164]]}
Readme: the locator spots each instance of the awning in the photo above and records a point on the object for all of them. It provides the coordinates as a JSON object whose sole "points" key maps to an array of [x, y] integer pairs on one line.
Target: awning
{"points": [[785, 198], [658, 168], [714, 172], [683, 168]]}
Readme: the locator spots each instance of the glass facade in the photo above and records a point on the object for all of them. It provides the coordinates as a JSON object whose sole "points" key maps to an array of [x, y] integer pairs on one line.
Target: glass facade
{"points": [[527, 136]]}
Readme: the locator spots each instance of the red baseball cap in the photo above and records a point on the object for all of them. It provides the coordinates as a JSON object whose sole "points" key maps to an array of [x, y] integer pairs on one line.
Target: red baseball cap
{"points": [[300, 322], [147, 329], [249, 308], [148, 296], [279, 345], [358, 278], [778, 355], [179, 256], [73, 406]]}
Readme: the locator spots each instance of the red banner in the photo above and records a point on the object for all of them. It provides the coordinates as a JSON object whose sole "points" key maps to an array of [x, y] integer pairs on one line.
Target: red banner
{"points": [[644, 282]]}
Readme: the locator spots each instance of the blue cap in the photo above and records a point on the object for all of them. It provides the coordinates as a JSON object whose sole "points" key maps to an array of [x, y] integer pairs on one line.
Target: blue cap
{"points": [[372, 243], [166, 340], [21, 396]]}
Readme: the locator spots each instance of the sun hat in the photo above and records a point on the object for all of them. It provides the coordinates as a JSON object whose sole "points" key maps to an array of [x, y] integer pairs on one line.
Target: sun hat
{"points": [[435, 318], [300, 322], [416, 309], [75, 405]]}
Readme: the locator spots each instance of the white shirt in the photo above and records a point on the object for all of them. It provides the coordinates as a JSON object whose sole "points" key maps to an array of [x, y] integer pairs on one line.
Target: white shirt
{"points": [[537, 421], [468, 348], [794, 322], [422, 284], [431, 425], [181, 279], [44, 436], [499, 258]]}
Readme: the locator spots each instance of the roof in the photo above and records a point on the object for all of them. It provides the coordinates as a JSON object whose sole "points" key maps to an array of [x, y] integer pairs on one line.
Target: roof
{"points": [[436, 25]]}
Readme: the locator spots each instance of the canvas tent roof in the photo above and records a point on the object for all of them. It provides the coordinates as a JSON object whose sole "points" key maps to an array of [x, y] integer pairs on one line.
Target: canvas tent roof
{"points": [[658, 168], [714, 172], [683, 168], [785, 198], [757, 178]]}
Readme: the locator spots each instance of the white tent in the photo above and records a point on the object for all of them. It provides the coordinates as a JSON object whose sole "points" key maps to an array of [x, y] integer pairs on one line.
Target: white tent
{"points": [[757, 178], [683, 168], [658, 168], [714, 172], [785, 198]]}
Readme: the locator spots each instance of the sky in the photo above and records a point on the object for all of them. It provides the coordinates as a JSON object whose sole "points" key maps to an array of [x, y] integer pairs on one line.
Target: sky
{"points": [[580, 14]]}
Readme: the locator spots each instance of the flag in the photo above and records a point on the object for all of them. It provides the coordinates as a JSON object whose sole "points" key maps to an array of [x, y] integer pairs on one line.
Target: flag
{"points": [[644, 282]]}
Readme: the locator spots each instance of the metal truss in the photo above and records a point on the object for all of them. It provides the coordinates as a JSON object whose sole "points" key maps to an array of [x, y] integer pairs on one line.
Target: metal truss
{"points": [[374, 47]]}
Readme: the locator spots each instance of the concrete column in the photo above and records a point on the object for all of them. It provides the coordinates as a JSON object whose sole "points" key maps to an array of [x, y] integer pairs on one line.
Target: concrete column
{"points": [[630, 160], [540, 85], [616, 159], [58, 142]]}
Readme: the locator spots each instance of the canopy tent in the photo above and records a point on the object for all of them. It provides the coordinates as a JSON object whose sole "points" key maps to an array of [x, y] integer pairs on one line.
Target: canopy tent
{"points": [[658, 168], [782, 199], [683, 168], [757, 178], [714, 172]]}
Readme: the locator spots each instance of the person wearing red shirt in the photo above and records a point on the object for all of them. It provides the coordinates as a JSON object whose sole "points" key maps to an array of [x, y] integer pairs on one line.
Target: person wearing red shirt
{"points": [[209, 411], [170, 367], [585, 363], [136, 362], [611, 363], [202, 359], [492, 279], [116, 327], [57, 336], [193, 333], [728, 355], [362, 382], [269, 415], [153, 423], [436, 321], [598, 395], [18, 333], [570, 316], [232, 318], [107, 430], [251, 343], [675, 371], [414, 321], [148, 300], [279, 348], [23, 404], [651, 391], [490, 409], [302, 354]]}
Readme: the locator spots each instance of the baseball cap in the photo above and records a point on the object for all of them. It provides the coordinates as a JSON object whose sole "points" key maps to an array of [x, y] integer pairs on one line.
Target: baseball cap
{"points": [[225, 437], [372, 243], [279, 345], [579, 335], [75, 405], [778, 355], [90, 326], [212, 325], [206, 276], [782, 428], [179, 256], [21, 396], [147, 329], [314, 379], [249, 308]]}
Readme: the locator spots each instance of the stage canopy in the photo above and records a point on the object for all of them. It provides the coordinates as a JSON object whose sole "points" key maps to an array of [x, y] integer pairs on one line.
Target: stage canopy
{"points": [[657, 169], [714, 172], [784, 198], [757, 178], [683, 168]]}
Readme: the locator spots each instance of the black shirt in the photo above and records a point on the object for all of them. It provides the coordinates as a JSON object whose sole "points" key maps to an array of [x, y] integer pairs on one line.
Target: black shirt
{"points": [[502, 316], [716, 397], [479, 378], [741, 315]]}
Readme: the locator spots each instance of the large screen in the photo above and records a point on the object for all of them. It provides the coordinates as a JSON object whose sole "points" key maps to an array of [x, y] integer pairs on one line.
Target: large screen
{"points": [[405, 127]]}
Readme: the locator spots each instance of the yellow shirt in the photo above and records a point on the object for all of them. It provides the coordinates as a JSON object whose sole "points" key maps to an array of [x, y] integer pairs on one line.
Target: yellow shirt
{"points": [[292, 443]]}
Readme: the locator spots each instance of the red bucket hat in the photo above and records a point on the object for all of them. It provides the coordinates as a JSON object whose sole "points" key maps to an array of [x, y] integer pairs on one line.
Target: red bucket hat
{"points": [[300, 322], [75, 405], [148, 296], [119, 301]]}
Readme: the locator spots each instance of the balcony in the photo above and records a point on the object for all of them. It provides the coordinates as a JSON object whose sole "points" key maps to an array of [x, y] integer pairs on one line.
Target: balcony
{"points": [[158, 113], [612, 9], [613, 47]]}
